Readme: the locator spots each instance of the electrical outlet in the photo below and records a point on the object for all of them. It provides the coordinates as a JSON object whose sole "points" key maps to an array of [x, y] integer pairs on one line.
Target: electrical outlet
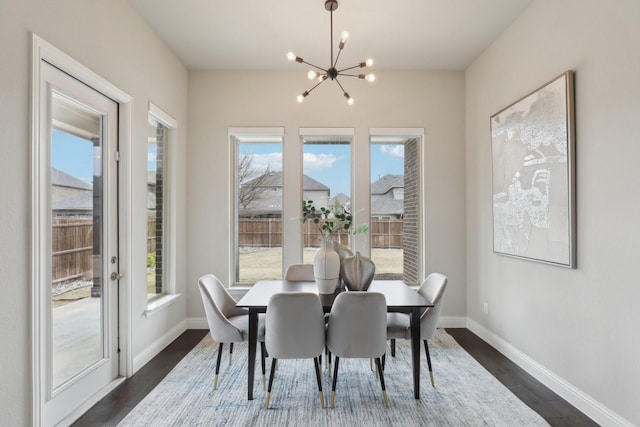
{"points": [[485, 308]]}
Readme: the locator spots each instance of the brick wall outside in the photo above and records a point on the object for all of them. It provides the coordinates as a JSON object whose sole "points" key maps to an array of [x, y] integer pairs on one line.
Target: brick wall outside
{"points": [[411, 211]]}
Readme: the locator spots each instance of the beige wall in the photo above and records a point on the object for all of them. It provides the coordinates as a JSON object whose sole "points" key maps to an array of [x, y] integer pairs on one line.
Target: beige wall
{"points": [[580, 324], [109, 38], [218, 100]]}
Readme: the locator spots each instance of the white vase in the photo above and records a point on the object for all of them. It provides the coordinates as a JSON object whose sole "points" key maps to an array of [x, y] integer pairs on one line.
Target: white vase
{"points": [[326, 268]]}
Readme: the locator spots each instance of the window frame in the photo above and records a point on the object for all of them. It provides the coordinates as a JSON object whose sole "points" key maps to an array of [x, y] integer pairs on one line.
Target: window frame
{"points": [[235, 135], [168, 293], [406, 133]]}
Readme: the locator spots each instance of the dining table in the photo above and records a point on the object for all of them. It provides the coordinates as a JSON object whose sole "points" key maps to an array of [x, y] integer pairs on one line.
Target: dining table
{"points": [[399, 297]]}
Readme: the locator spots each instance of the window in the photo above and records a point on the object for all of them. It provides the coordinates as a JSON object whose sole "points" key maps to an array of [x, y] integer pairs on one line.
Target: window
{"points": [[257, 201], [157, 207], [395, 215], [326, 178]]}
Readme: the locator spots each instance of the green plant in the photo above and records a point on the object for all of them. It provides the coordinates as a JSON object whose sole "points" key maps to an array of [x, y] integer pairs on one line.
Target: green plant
{"points": [[330, 220], [151, 260]]}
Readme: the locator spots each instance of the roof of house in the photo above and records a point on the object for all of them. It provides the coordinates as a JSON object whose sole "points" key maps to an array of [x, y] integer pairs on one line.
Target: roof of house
{"points": [[63, 179], [386, 183], [274, 179], [387, 205]]}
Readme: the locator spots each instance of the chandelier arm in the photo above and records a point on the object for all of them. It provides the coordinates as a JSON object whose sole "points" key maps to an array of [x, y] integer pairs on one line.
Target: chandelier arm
{"points": [[349, 75], [316, 85], [337, 56], [350, 68], [343, 91], [315, 66]]}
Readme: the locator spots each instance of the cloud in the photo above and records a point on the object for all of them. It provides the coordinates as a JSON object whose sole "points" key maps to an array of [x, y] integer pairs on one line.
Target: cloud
{"points": [[316, 162], [261, 161], [396, 150]]}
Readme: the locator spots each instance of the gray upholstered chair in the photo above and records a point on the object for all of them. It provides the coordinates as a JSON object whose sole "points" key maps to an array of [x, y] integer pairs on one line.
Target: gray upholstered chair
{"points": [[433, 289], [357, 329], [294, 330], [227, 323], [300, 273]]}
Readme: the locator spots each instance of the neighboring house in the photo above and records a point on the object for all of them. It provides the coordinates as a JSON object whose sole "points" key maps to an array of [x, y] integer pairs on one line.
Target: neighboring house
{"points": [[266, 201], [70, 196], [387, 197], [341, 199]]}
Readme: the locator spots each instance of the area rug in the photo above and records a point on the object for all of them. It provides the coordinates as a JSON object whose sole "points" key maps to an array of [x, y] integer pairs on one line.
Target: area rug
{"points": [[465, 393]]}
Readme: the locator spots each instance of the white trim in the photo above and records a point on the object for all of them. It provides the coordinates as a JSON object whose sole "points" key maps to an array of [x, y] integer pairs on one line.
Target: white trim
{"points": [[41, 50], [326, 131], [583, 402], [159, 303], [418, 132], [163, 117], [158, 345]]}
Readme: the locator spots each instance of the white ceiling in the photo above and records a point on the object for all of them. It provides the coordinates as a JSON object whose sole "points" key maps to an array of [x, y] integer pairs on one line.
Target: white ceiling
{"points": [[398, 34]]}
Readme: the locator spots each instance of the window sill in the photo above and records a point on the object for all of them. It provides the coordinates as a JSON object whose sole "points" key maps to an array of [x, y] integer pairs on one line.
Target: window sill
{"points": [[159, 303]]}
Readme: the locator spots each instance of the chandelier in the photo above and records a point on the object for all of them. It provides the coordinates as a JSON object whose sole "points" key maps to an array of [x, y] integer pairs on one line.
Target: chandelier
{"points": [[332, 72]]}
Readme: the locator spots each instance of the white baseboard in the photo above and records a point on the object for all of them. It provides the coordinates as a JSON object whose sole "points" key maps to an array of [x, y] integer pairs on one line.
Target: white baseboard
{"points": [[197, 323], [158, 345], [583, 402], [452, 322]]}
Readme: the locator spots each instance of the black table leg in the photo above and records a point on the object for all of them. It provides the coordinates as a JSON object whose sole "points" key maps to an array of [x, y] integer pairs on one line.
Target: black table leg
{"points": [[415, 350], [253, 341]]}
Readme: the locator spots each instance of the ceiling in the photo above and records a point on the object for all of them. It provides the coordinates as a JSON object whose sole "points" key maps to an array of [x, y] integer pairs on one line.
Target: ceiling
{"points": [[398, 35]]}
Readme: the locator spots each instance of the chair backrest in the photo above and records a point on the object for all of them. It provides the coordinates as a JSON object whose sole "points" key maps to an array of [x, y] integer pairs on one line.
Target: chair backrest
{"points": [[294, 327], [358, 325], [433, 289], [218, 306], [300, 273]]}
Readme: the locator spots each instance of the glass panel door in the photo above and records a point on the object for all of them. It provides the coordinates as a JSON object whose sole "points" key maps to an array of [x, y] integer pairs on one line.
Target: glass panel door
{"points": [[80, 332]]}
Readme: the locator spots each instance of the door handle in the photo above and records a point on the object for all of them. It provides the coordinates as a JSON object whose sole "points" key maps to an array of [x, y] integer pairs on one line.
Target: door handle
{"points": [[116, 276]]}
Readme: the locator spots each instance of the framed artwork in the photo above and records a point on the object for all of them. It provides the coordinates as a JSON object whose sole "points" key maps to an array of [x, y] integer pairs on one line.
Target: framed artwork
{"points": [[532, 146]]}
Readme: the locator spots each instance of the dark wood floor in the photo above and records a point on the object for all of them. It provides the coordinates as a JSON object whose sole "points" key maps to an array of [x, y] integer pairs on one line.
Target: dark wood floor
{"points": [[114, 407]]}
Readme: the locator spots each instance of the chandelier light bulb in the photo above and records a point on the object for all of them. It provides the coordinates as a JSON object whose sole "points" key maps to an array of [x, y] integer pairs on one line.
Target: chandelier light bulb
{"points": [[370, 78], [291, 56], [299, 98], [349, 98], [322, 77], [344, 36], [312, 75], [369, 62]]}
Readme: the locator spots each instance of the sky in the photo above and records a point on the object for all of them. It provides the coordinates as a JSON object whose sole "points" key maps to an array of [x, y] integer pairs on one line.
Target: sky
{"points": [[330, 164], [72, 155]]}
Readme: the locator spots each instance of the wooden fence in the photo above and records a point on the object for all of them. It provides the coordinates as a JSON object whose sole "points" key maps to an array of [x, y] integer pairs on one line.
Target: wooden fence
{"points": [[267, 233], [72, 248]]}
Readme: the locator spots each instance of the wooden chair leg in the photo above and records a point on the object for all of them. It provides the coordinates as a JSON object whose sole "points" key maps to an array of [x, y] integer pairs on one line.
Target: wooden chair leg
{"points": [[335, 380], [426, 350], [317, 366], [273, 373], [393, 347], [263, 352], [230, 352], [215, 378], [381, 373]]}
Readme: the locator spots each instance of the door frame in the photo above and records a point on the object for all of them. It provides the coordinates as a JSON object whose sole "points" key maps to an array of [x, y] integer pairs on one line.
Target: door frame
{"points": [[42, 50]]}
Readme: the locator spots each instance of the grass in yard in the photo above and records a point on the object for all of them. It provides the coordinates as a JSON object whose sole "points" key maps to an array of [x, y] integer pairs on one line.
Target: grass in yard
{"points": [[266, 263]]}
